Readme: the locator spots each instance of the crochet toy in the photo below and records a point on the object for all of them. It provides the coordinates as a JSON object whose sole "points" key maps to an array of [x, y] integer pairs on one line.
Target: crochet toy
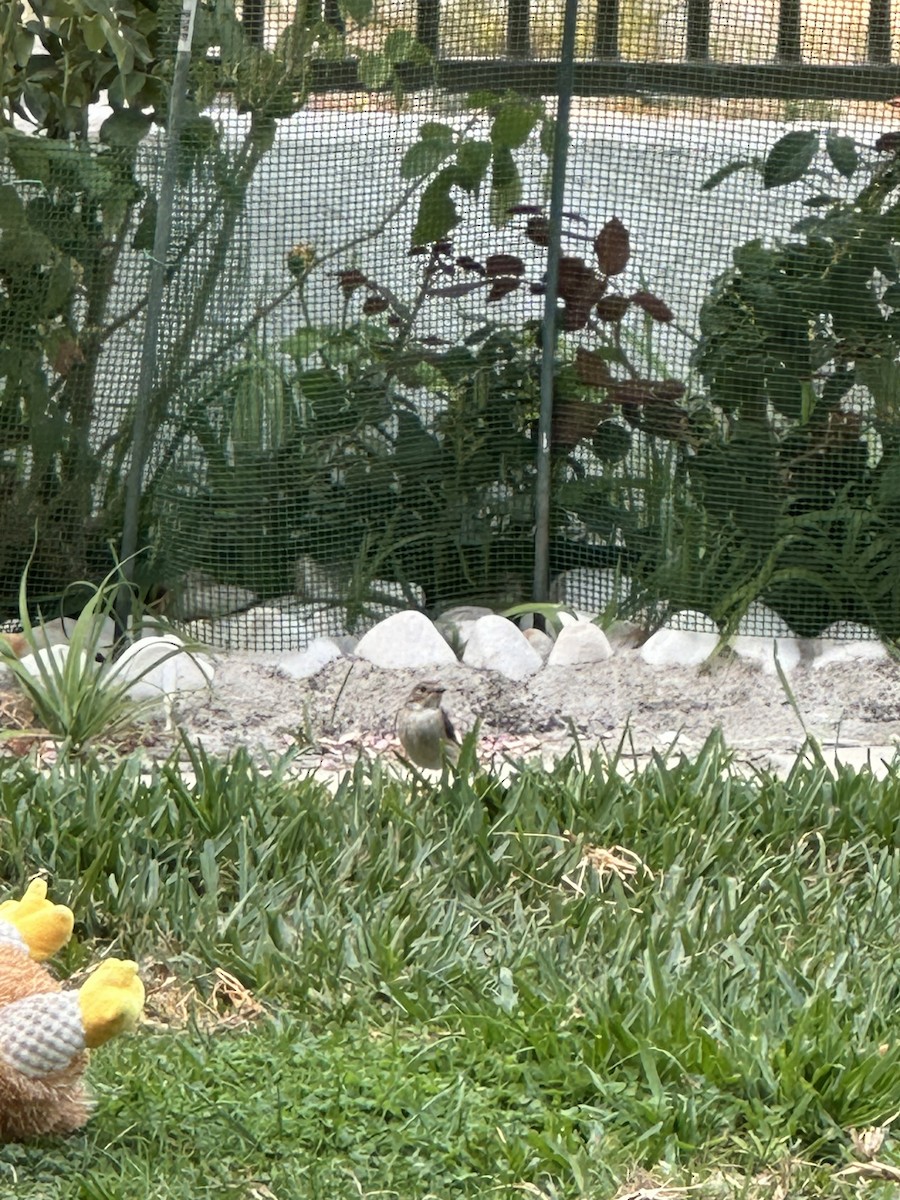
{"points": [[45, 1032]]}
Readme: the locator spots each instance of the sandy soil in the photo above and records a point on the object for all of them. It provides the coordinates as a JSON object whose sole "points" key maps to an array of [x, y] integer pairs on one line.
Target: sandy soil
{"points": [[351, 706]]}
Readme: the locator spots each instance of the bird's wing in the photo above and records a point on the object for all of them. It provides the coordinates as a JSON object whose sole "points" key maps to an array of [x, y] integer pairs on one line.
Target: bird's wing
{"points": [[449, 731]]}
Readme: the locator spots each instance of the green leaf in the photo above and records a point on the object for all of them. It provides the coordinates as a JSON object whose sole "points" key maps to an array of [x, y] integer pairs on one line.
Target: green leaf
{"points": [[548, 135], [717, 177], [32, 157], [400, 46], [145, 233], [506, 185], [199, 137], [93, 34], [472, 160], [125, 128], [60, 284], [435, 131], [424, 157], [374, 70], [842, 152], [514, 122], [359, 11], [789, 158], [305, 341], [482, 99], [437, 212]]}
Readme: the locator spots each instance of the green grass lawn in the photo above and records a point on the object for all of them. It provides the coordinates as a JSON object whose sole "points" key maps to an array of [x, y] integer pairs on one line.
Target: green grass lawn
{"points": [[557, 987]]}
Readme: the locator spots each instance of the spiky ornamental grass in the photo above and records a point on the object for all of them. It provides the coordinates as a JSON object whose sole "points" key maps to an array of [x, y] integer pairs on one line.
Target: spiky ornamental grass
{"points": [[478, 988], [78, 694]]}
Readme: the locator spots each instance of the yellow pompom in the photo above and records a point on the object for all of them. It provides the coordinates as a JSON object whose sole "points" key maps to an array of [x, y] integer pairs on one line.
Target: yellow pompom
{"points": [[111, 1000], [44, 926]]}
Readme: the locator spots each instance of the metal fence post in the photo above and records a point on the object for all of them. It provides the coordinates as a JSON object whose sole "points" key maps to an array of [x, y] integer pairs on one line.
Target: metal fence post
{"points": [[155, 291], [544, 481]]}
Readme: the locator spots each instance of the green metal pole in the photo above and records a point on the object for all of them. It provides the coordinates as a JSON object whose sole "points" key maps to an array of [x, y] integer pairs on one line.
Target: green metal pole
{"points": [[543, 483], [155, 293]]}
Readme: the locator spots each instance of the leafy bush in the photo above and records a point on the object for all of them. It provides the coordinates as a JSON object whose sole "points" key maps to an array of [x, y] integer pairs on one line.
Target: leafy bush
{"points": [[792, 487], [77, 220], [377, 451]]}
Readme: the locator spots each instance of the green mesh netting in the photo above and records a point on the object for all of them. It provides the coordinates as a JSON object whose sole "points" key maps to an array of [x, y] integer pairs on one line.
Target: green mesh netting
{"points": [[346, 382]]}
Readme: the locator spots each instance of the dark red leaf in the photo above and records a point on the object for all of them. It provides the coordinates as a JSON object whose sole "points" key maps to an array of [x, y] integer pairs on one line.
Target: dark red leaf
{"points": [[538, 231], [670, 389], [68, 353], [503, 264], [653, 306], [574, 420], [575, 316], [515, 210], [578, 284], [502, 287], [612, 308], [592, 369], [612, 247], [373, 305], [469, 264], [660, 419], [647, 391], [888, 143], [350, 280]]}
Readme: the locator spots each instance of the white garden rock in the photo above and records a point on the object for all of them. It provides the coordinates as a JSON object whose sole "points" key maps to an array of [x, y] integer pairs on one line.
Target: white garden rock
{"points": [[386, 597], [60, 630], [768, 652], [51, 660], [315, 583], [574, 616], [580, 643], [765, 638], [156, 667], [540, 641], [272, 627], [202, 596], [685, 647], [590, 588], [456, 624], [496, 644], [846, 642], [761, 621], [306, 663], [625, 635], [406, 639]]}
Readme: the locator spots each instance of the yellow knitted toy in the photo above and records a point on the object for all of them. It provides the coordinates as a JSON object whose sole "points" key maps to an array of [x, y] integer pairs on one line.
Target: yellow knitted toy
{"points": [[45, 1033]]}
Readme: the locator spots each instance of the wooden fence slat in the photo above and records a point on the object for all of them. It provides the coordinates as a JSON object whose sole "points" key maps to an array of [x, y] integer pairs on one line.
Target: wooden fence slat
{"points": [[253, 19], [606, 32], [879, 41], [518, 28], [332, 15], [777, 81], [787, 49], [428, 24], [697, 40]]}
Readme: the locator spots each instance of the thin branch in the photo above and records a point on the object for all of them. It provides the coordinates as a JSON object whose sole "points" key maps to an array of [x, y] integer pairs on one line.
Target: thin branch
{"points": [[264, 310]]}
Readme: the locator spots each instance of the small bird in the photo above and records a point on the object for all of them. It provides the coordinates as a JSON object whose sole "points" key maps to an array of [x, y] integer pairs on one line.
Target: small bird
{"points": [[425, 731]]}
